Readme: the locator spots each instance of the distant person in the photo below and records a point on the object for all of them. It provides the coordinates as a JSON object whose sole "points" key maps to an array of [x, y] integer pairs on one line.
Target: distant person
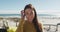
{"points": [[31, 23]]}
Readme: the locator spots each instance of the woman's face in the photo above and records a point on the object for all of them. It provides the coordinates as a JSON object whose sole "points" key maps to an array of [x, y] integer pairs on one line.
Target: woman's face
{"points": [[29, 13]]}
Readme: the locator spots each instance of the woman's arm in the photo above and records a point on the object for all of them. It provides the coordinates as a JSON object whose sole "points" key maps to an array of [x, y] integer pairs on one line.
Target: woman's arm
{"points": [[20, 26]]}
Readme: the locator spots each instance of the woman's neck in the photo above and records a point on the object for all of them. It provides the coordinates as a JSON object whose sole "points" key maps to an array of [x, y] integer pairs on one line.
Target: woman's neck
{"points": [[29, 21]]}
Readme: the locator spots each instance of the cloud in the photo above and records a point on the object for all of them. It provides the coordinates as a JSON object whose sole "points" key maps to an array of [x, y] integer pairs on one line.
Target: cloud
{"points": [[9, 12], [54, 12]]}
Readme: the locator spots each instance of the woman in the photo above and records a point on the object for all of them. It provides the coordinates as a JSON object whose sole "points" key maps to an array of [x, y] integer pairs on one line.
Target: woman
{"points": [[31, 24]]}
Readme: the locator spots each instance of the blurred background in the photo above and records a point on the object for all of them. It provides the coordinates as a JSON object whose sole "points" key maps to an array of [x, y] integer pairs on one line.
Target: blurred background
{"points": [[48, 12]]}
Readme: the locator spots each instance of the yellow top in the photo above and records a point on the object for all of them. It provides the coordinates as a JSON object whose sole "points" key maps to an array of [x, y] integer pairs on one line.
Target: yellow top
{"points": [[25, 26]]}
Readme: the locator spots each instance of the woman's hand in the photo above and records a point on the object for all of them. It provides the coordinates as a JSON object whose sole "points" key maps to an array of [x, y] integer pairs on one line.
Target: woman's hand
{"points": [[22, 14]]}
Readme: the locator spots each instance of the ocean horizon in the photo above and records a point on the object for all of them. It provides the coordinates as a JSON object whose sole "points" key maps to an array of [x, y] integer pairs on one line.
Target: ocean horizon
{"points": [[20, 15]]}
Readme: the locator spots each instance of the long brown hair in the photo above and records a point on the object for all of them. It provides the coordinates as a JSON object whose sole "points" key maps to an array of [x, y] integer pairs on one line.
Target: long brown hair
{"points": [[35, 21]]}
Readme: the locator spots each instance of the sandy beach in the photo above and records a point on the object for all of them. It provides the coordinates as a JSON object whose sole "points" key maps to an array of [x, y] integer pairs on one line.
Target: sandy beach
{"points": [[49, 25]]}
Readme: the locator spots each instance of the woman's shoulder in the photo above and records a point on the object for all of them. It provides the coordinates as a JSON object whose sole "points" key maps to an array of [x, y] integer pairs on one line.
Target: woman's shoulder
{"points": [[40, 23], [40, 26]]}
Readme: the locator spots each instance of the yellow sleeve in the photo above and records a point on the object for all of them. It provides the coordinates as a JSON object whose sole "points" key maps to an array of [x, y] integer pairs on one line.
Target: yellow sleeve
{"points": [[20, 26]]}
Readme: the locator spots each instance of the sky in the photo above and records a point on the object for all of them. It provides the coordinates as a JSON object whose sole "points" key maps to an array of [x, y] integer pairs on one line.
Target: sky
{"points": [[41, 6]]}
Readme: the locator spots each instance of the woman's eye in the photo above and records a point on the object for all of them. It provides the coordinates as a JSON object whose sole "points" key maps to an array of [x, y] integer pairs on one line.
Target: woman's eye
{"points": [[27, 13]]}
